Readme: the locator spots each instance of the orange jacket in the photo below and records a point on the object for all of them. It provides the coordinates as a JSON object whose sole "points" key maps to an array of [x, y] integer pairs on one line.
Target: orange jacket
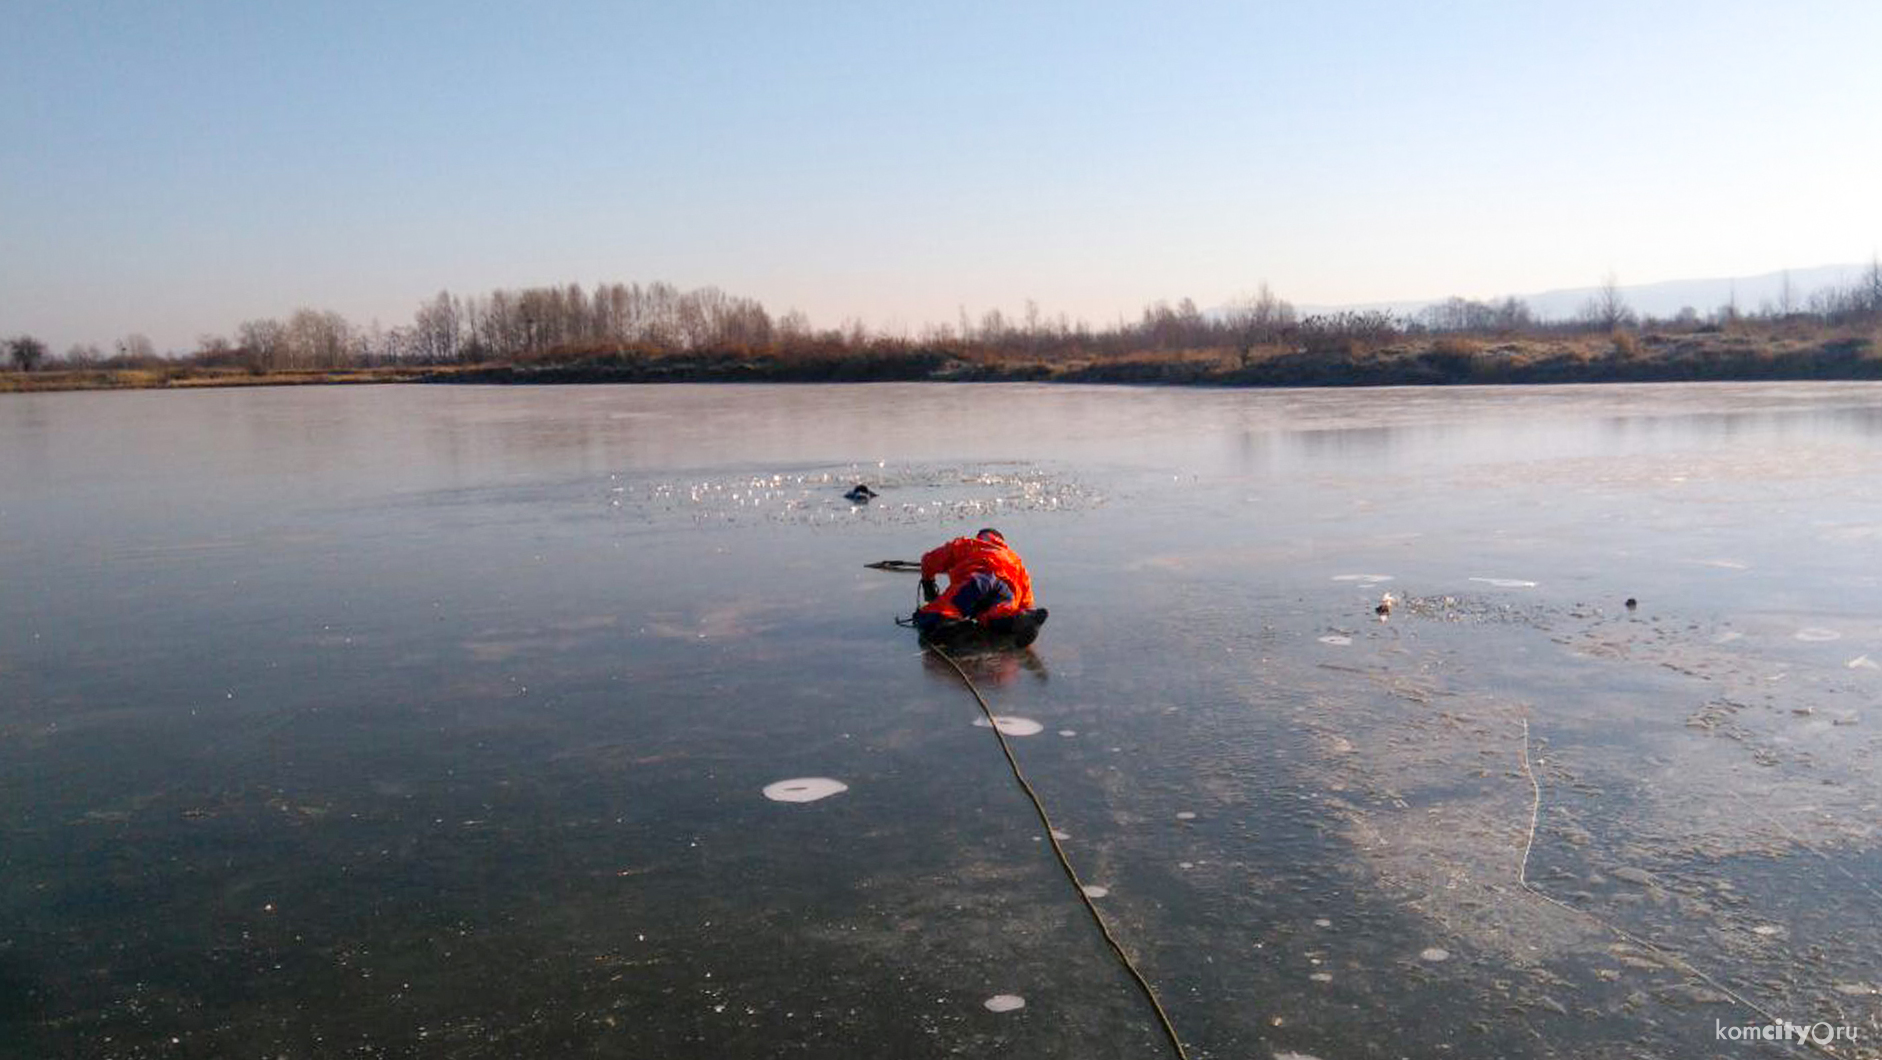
{"points": [[964, 557]]}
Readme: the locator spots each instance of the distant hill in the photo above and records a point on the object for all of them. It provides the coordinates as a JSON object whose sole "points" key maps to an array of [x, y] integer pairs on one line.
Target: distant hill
{"points": [[1750, 293]]}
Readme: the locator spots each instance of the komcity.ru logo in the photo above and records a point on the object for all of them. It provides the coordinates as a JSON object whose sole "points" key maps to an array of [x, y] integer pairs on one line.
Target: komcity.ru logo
{"points": [[1822, 1032]]}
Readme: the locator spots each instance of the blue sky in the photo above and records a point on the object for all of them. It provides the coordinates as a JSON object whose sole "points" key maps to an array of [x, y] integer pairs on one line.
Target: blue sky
{"points": [[176, 168]]}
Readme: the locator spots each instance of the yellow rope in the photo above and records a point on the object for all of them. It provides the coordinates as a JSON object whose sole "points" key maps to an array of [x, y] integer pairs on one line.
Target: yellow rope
{"points": [[1065, 862]]}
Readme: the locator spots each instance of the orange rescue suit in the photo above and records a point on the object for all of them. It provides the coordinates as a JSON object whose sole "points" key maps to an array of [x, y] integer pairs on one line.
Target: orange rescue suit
{"points": [[965, 557]]}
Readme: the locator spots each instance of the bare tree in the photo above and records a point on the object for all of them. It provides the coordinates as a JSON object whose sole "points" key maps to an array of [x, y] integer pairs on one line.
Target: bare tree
{"points": [[26, 352], [137, 347], [1260, 319], [439, 329], [993, 327], [1608, 309], [1160, 327], [1463, 314], [1511, 314], [1195, 330], [318, 339], [264, 343], [1727, 314]]}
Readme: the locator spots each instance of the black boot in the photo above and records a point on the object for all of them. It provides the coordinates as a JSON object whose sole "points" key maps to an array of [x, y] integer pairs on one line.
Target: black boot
{"points": [[940, 629], [1026, 626]]}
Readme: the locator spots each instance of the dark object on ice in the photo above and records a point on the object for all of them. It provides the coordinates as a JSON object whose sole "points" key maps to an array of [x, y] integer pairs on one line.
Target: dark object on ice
{"points": [[1632, 603], [861, 494], [1024, 627], [955, 634]]}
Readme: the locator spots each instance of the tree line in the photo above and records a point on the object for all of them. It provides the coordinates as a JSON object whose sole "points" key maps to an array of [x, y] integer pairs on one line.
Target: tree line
{"points": [[656, 319]]}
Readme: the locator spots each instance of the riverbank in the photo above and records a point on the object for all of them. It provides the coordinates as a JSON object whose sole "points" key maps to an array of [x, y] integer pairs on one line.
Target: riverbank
{"points": [[193, 377], [1427, 361]]}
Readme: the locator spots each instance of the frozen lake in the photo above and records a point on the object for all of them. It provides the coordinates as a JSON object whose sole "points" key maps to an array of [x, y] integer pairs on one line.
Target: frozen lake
{"points": [[439, 721]]}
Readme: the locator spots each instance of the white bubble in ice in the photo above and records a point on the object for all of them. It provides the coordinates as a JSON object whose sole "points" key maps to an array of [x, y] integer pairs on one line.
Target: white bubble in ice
{"points": [[1004, 1003], [1335, 638], [1093, 890], [1766, 929], [1435, 953], [1363, 579], [1013, 726], [1862, 662], [1506, 583], [1061, 836], [1816, 633], [1068, 732], [804, 789], [1185, 815], [1323, 922], [1321, 977]]}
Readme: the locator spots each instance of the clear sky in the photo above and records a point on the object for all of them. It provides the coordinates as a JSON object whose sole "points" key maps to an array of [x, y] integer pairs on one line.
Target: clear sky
{"points": [[175, 167]]}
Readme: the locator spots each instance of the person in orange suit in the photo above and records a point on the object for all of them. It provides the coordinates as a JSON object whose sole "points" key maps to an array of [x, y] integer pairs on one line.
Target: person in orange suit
{"points": [[987, 586]]}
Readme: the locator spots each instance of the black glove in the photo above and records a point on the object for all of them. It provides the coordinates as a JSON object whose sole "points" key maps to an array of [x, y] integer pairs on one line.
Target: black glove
{"points": [[929, 590]]}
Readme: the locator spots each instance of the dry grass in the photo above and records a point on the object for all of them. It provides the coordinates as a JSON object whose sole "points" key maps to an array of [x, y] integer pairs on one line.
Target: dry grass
{"points": [[1457, 346], [185, 377]]}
